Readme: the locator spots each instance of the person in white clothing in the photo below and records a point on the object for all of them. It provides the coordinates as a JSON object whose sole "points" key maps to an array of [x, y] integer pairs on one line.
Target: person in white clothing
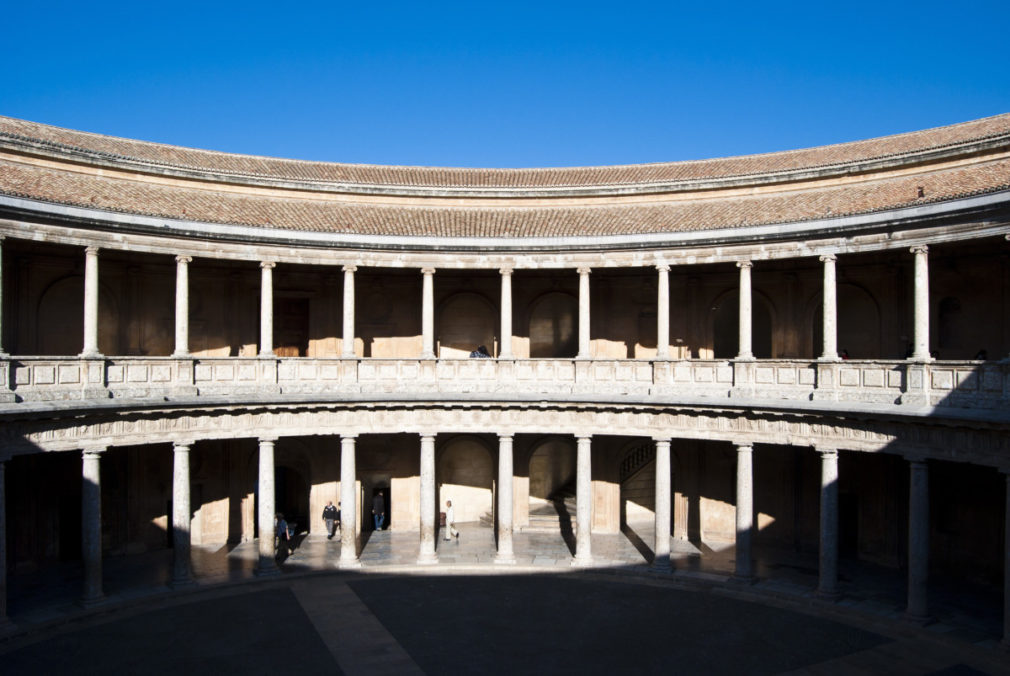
{"points": [[450, 522]]}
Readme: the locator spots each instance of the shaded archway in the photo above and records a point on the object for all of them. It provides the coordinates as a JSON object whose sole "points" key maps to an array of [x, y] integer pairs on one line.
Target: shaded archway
{"points": [[858, 323], [465, 320], [553, 326], [292, 496], [465, 474], [60, 319], [726, 326]]}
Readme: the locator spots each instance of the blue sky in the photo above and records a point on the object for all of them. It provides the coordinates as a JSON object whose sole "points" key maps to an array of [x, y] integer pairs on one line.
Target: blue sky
{"points": [[478, 84]]}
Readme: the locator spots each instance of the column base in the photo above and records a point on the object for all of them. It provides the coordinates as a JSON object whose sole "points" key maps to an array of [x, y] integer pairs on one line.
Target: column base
{"points": [[583, 562], [183, 583], [349, 564], [743, 579], [272, 571], [505, 559], [427, 559], [661, 564], [830, 596]]}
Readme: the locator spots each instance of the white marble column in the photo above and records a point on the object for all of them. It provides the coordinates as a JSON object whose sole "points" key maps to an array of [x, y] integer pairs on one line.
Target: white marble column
{"points": [[584, 503], [920, 339], [4, 620], [505, 352], [182, 574], [267, 509], [348, 502], [182, 306], [663, 313], [91, 303], [827, 586], [918, 541], [663, 501], [428, 314], [1006, 564], [91, 526], [505, 553], [584, 338], [830, 313], [746, 351], [348, 349], [744, 513], [267, 312], [427, 553]]}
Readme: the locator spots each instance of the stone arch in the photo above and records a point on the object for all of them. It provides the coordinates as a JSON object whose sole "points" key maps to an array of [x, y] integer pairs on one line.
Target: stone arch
{"points": [[59, 328], [551, 469], [553, 326], [465, 474], [466, 320], [725, 322], [293, 481], [858, 321]]}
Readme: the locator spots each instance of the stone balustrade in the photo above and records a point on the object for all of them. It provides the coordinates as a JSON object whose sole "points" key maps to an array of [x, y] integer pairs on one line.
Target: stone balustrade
{"points": [[979, 385]]}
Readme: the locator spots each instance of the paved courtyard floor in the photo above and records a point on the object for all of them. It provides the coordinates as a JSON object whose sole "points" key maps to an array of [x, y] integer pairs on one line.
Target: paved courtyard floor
{"points": [[466, 614]]}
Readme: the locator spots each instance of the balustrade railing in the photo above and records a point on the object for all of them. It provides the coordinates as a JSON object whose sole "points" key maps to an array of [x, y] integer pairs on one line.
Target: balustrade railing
{"points": [[980, 385]]}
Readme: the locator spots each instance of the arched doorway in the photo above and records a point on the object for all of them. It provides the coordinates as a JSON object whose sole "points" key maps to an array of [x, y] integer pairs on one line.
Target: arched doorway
{"points": [[726, 327], [465, 475], [465, 320], [291, 497], [552, 330], [60, 327]]}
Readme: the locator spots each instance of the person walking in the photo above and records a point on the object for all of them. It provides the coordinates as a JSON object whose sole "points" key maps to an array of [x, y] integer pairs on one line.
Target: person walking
{"points": [[450, 522], [330, 517], [378, 510]]}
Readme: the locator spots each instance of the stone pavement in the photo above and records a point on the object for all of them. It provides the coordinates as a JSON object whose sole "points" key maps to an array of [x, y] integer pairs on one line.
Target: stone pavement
{"points": [[316, 601]]}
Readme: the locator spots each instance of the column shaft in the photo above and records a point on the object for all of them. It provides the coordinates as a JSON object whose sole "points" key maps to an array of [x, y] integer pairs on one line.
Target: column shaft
{"points": [[920, 341], [583, 503], [348, 502], [3, 544], [348, 348], [90, 303], [663, 313], [3, 352], [584, 338], [427, 552], [505, 352], [744, 512], [91, 526], [830, 313], [182, 306], [181, 517], [267, 313], [505, 552], [746, 351], [918, 540], [828, 582], [1006, 566], [663, 502], [267, 509], [428, 314]]}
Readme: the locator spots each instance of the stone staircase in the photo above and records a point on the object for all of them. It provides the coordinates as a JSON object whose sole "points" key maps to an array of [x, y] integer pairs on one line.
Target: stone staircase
{"points": [[557, 516]]}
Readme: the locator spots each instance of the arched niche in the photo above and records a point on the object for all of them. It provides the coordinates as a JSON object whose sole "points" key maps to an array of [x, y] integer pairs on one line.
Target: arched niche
{"points": [[857, 320], [552, 468], [725, 324], [60, 319], [465, 320], [465, 473], [553, 328]]}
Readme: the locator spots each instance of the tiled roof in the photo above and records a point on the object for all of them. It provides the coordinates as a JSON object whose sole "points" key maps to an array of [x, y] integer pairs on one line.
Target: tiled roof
{"points": [[112, 149]]}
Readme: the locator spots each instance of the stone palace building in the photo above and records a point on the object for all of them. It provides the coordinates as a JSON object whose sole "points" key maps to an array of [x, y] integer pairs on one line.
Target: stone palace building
{"points": [[804, 350]]}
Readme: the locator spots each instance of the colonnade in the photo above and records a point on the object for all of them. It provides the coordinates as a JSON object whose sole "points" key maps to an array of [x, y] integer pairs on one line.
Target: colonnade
{"points": [[920, 338], [917, 608]]}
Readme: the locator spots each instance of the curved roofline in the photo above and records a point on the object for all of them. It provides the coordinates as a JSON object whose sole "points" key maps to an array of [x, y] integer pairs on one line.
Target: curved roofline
{"points": [[843, 159]]}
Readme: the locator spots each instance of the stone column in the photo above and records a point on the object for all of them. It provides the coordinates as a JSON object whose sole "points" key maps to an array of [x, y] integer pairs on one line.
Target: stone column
{"points": [[427, 553], [663, 501], [428, 314], [744, 513], [827, 586], [3, 352], [584, 344], [4, 620], [746, 352], [267, 509], [663, 313], [584, 503], [267, 313], [91, 526], [830, 314], [91, 303], [505, 553], [920, 340], [348, 351], [505, 352], [182, 306], [1006, 564], [181, 514], [918, 541], [348, 503]]}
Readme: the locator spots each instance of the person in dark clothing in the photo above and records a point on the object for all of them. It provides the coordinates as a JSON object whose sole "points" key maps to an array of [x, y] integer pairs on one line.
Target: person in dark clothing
{"points": [[378, 510], [332, 518], [480, 353]]}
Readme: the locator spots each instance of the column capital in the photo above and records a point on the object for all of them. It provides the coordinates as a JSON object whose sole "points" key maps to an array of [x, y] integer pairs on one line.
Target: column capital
{"points": [[182, 446], [826, 452], [744, 448], [350, 268], [506, 436], [661, 440], [184, 259], [919, 249], [583, 269], [267, 440], [268, 265], [349, 437], [916, 459], [91, 250], [828, 257], [429, 437], [583, 437], [745, 264], [506, 270], [662, 267], [428, 271], [93, 452]]}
